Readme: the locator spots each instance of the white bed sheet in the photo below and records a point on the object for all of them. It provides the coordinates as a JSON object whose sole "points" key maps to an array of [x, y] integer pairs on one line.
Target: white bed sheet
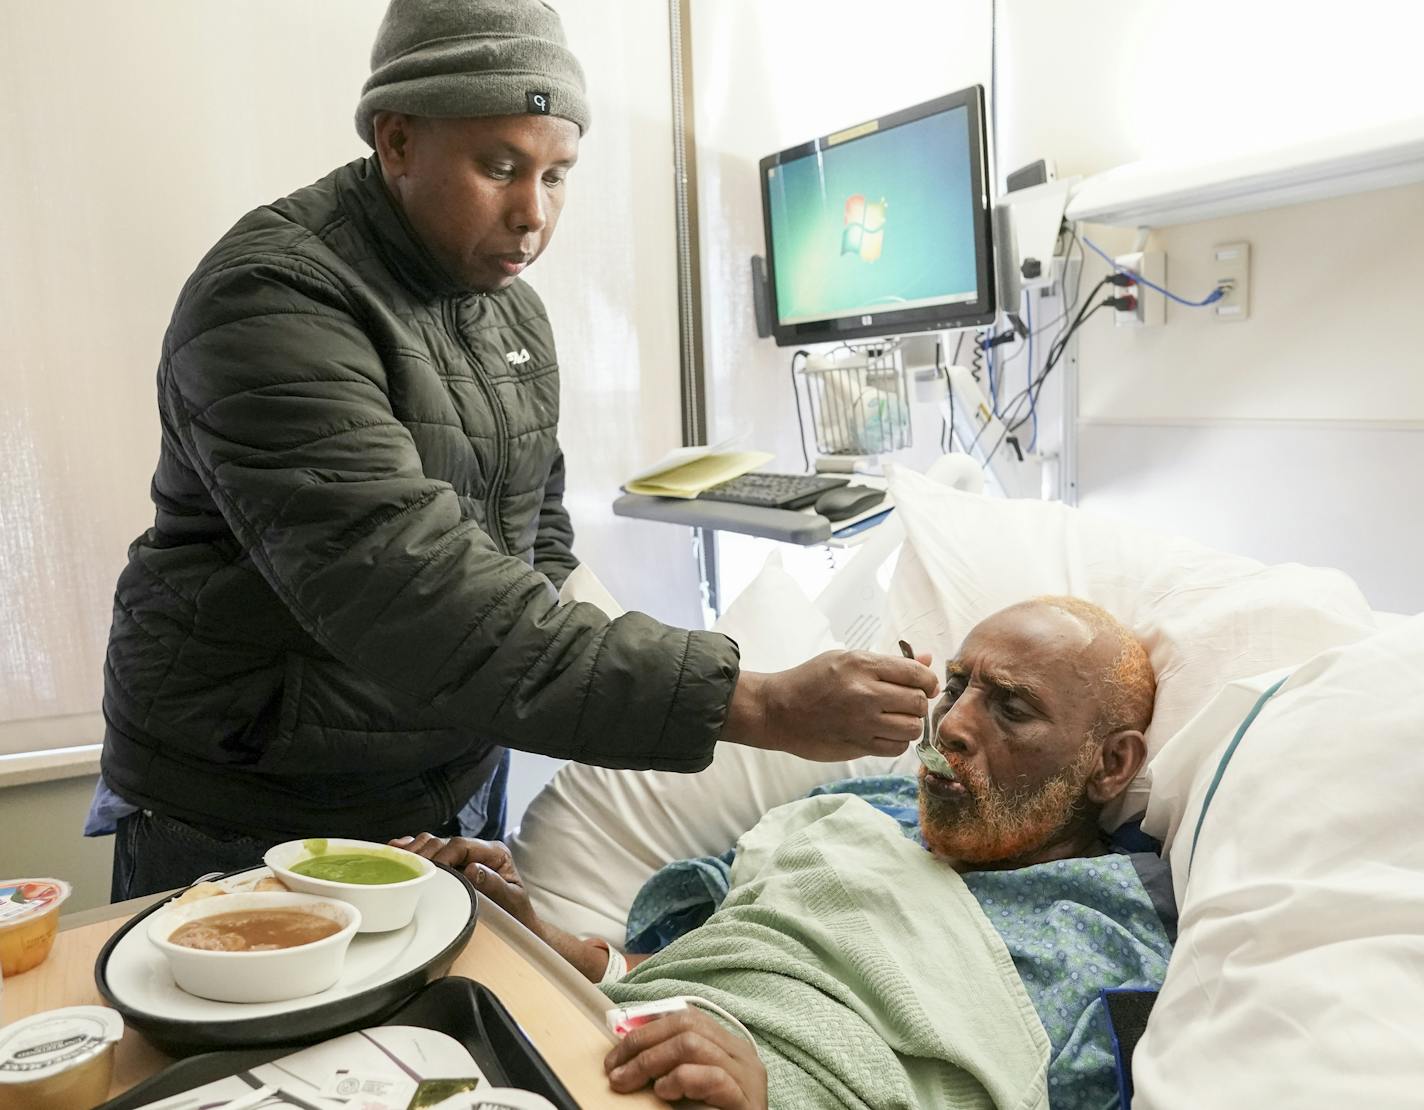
{"points": [[1298, 976]]}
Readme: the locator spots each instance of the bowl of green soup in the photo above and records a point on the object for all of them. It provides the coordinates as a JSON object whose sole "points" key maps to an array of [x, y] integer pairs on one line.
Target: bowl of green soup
{"points": [[384, 883]]}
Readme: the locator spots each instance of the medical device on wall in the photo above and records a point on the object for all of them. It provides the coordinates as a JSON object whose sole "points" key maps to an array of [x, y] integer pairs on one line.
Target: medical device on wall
{"points": [[982, 435], [881, 228], [1028, 228]]}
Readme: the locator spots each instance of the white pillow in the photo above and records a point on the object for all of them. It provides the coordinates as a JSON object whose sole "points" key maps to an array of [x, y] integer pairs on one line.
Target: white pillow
{"points": [[1205, 617], [592, 836], [1298, 976]]}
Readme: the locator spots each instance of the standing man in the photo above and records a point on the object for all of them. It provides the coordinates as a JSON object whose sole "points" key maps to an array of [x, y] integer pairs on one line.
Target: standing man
{"points": [[347, 605]]}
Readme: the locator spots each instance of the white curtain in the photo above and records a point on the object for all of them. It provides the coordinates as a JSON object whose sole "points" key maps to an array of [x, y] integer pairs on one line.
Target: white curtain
{"points": [[136, 134]]}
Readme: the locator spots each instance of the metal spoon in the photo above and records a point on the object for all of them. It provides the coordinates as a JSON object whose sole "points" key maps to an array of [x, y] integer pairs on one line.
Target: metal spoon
{"points": [[925, 750]]}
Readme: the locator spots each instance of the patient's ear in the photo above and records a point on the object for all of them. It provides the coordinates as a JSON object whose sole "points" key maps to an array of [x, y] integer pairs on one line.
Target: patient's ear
{"points": [[1123, 754]]}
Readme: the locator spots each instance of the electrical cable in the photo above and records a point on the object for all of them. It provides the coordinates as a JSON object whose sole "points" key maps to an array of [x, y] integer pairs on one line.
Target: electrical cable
{"points": [[796, 392], [1032, 402], [1211, 298], [940, 372], [1031, 392], [1056, 346], [949, 436], [1001, 366], [946, 439], [1038, 332], [1079, 305], [1069, 302], [1060, 345], [993, 382], [1054, 349]]}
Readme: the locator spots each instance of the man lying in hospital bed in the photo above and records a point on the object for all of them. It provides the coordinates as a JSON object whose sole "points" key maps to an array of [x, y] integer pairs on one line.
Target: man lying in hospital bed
{"points": [[869, 971], [1273, 995]]}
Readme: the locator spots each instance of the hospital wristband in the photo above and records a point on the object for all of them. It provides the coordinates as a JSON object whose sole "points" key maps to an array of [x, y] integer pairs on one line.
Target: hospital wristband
{"points": [[617, 965]]}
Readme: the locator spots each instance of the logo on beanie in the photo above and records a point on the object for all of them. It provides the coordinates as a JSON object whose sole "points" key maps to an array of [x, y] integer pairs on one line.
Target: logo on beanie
{"points": [[538, 102]]}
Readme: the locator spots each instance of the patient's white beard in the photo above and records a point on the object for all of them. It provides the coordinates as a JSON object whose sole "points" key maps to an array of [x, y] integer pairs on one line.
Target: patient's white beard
{"points": [[994, 825]]}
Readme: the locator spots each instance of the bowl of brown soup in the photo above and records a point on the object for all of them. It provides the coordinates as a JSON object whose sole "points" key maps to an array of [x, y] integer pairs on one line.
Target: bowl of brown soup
{"points": [[258, 947]]}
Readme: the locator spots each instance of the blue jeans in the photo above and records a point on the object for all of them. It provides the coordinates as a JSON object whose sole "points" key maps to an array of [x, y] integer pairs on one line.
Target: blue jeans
{"points": [[154, 853], [483, 815]]}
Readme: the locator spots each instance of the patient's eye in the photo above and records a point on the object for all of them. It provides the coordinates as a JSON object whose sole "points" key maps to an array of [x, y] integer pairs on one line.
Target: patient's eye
{"points": [[1014, 710]]}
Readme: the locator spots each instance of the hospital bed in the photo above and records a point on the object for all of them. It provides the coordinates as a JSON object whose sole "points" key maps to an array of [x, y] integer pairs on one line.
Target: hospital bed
{"points": [[1284, 781]]}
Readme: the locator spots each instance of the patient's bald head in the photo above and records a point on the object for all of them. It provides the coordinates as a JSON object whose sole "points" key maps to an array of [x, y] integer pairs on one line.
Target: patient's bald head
{"points": [[1043, 716]]}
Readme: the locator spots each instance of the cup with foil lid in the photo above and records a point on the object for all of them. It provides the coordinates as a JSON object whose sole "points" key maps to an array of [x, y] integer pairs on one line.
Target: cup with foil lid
{"points": [[59, 1060], [29, 920]]}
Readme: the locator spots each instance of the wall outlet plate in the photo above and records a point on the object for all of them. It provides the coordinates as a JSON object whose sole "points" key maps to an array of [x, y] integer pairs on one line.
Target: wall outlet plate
{"points": [[1231, 266], [1151, 305]]}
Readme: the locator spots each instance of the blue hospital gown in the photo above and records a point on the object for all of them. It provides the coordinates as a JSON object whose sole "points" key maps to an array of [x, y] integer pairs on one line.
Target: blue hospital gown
{"points": [[1072, 927]]}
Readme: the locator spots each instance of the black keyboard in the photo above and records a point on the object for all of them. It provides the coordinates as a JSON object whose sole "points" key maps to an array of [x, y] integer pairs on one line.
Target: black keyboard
{"points": [[773, 491]]}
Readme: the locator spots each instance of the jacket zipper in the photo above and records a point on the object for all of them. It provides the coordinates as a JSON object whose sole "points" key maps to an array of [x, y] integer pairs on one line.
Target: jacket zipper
{"points": [[494, 522]]}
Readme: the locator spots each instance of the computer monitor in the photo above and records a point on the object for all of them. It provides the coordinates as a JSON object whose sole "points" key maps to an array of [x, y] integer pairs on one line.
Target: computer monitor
{"points": [[882, 228]]}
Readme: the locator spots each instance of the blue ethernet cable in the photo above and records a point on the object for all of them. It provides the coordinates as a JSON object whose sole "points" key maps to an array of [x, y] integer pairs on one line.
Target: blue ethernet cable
{"points": [[1211, 298]]}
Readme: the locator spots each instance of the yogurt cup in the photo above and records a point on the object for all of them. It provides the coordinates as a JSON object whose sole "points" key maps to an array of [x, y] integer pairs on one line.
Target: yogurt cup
{"points": [[29, 920], [59, 1060]]}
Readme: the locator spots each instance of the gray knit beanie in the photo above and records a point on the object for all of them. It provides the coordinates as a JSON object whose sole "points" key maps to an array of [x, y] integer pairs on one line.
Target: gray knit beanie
{"points": [[464, 58]]}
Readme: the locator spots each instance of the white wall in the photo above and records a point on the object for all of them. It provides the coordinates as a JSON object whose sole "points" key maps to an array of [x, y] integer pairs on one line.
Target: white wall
{"points": [[1297, 434], [768, 76], [135, 135]]}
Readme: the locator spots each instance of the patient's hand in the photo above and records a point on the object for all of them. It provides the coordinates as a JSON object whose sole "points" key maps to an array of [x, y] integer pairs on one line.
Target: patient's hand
{"points": [[689, 1055], [487, 864]]}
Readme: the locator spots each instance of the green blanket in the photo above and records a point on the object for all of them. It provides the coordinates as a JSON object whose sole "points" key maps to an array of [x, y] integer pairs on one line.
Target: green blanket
{"points": [[864, 968]]}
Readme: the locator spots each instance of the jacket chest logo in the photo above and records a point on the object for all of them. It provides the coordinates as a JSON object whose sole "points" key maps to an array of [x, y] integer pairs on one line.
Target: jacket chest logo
{"points": [[517, 358]]}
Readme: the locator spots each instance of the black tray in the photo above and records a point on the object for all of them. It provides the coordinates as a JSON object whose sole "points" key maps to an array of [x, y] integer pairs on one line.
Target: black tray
{"points": [[305, 1026], [460, 1008]]}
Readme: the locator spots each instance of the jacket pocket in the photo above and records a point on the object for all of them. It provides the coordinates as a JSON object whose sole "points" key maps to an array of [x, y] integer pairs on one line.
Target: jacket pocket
{"points": [[336, 722], [293, 677]]}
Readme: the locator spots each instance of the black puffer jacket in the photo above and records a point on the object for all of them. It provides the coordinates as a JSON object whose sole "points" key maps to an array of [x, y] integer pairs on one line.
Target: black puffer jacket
{"points": [[347, 600]]}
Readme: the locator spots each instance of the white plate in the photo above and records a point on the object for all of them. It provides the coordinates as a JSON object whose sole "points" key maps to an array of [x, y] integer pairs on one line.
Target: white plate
{"points": [[134, 975]]}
